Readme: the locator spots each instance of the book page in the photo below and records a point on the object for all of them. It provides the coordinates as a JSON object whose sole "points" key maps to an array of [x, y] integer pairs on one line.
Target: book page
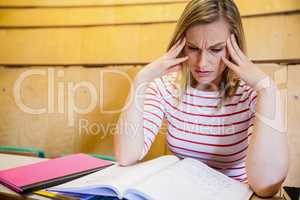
{"points": [[192, 179], [118, 178]]}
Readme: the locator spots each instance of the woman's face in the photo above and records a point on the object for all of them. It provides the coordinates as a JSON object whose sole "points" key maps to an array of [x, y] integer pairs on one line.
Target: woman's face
{"points": [[205, 45]]}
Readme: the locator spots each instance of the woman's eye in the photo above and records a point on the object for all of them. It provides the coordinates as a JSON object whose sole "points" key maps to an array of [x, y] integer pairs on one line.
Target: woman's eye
{"points": [[192, 48], [216, 50]]}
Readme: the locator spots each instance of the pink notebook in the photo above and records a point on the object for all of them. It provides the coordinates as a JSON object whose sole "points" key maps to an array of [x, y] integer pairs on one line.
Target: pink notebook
{"points": [[50, 172]]}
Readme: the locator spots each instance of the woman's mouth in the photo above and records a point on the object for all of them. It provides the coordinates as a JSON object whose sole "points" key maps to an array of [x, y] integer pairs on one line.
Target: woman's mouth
{"points": [[203, 73]]}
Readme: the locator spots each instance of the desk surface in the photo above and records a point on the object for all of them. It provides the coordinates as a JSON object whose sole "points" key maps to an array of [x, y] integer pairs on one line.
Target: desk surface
{"points": [[9, 161]]}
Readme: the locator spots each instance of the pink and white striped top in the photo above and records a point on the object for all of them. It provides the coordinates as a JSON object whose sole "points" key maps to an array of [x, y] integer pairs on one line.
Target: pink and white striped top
{"points": [[197, 128]]}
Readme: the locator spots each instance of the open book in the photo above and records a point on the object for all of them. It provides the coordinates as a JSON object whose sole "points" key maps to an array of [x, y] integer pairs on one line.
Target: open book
{"points": [[166, 177]]}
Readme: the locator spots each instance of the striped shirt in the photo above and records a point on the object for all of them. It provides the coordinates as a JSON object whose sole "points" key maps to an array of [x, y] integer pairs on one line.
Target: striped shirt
{"points": [[198, 129]]}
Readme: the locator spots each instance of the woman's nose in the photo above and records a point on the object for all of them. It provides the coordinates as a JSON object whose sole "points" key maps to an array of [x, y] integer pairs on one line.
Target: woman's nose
{"points": [[203, 59]]}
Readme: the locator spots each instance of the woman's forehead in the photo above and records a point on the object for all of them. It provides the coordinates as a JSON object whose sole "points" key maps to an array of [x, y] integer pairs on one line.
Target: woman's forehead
{"points": [[209, 34]]}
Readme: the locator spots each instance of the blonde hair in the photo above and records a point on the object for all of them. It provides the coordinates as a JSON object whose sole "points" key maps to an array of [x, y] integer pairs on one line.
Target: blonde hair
{"points": [[203, 12]]}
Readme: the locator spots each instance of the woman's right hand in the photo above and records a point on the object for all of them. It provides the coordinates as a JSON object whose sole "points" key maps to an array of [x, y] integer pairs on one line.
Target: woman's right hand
{"points": [[166, 64]]}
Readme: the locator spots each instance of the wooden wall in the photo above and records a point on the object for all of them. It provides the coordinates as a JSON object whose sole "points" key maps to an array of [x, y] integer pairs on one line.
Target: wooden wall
{"points": [[34, 35], [74, 42]]}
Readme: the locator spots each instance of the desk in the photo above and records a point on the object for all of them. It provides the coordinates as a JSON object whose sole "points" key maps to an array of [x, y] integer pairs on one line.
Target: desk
{"points": [[8, 161]]}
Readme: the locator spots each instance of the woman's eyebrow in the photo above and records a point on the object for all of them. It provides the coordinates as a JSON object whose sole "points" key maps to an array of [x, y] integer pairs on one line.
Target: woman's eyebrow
{"points": [[217, 44], [191, 43], [214, 45]]}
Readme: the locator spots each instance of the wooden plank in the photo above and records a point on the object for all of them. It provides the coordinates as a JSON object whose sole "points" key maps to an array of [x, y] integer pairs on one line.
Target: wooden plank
{"points": [[262, 7], [293, 178], [61, 128], [277, 72], [79, 3], [84, 45], [92, 16], [22, 129], [254, 7], [270, 37], [145, 12], [273, 37]]}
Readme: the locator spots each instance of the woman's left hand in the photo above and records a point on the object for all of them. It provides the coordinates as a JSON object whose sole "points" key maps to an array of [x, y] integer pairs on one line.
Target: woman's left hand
{"points": [[242, 66]]}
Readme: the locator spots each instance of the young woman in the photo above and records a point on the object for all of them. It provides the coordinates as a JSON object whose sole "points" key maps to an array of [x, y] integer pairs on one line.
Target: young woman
{"points": [[209, 92]]}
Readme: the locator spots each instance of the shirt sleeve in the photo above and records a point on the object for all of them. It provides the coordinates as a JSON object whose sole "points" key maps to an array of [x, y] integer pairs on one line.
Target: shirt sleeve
{"points": [[252, 94], [252, 101], [153, 115]]}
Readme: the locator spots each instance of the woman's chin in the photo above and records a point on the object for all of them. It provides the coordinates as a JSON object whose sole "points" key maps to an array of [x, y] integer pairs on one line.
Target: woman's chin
{"points": [[206, 83]]}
